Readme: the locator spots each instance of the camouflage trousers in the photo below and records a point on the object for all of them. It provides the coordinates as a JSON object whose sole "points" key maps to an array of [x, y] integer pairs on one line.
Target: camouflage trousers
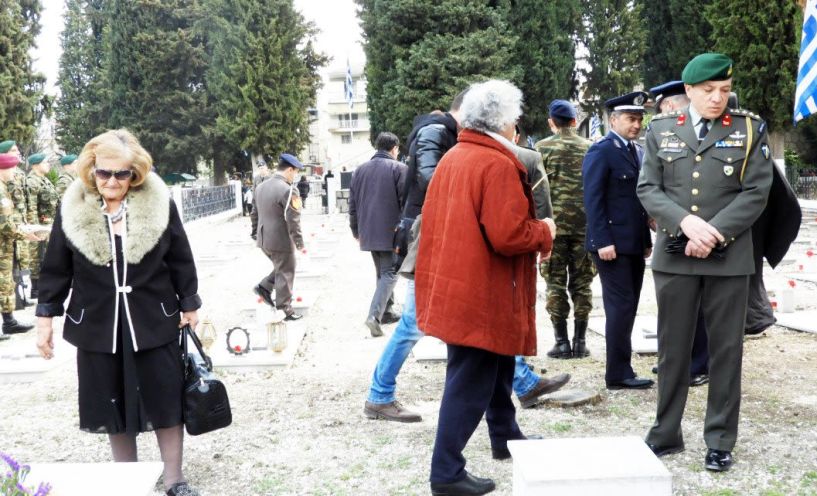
{"points": [[35, 251], [569, 270], [22, 254], [7, 286]]}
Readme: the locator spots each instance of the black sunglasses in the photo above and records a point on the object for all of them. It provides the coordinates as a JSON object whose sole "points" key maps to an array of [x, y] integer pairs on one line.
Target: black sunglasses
{"points": [[120, 175]]}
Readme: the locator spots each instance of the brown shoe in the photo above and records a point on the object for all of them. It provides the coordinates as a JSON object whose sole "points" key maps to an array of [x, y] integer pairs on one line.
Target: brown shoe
{"points": [[393, 411], [543, 387]]}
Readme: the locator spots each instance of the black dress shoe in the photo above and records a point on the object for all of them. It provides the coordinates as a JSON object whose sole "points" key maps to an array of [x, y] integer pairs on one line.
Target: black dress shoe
{"points": [[390, 318], [264, 294], [718, 461], [468, 486], [634, 383], [655, 369], [660, 451], [698, 380], [294, 316], [14, 327]]}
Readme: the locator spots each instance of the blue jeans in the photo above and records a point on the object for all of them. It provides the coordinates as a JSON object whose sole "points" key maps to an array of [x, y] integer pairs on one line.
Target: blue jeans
{"points": [[406, 335]]}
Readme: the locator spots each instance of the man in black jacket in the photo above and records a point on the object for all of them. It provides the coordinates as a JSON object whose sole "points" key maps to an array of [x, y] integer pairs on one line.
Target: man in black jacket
{"points": [[375, 200]]}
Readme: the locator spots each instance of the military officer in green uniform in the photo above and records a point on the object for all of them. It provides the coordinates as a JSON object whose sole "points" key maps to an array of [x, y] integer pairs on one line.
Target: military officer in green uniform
{"points": [[706, 177], [67, 174], [9, 233], [42, 206], [570, 268]]}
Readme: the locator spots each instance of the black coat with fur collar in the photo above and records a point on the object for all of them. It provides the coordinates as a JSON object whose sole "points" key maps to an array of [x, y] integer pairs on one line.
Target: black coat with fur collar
{"points": [[160, 278]]}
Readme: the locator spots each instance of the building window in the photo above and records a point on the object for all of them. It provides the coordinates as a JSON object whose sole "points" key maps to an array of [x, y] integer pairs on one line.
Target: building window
{"points": [[345, 139], [347, 121]]}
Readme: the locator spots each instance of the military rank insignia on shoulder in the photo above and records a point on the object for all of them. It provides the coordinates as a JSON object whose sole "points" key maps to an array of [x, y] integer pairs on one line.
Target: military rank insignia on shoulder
{"points": [[296, 202], [666, 115]]}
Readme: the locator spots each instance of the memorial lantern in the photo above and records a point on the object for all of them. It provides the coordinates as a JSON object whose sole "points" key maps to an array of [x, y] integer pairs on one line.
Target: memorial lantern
{"points": [[207, 334]]}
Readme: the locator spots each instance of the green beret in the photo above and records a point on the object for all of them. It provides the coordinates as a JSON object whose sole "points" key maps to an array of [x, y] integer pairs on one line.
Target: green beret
{"points": [[36, 158], [67, 159], [707, 67], [6, 146]]}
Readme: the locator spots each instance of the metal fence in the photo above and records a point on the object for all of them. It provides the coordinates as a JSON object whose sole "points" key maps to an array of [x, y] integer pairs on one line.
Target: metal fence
{"points": [[202, 202], [806, 187]]}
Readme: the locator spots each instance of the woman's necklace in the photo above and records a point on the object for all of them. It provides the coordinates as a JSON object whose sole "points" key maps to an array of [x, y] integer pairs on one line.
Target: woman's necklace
{"points": [[119, 214]]}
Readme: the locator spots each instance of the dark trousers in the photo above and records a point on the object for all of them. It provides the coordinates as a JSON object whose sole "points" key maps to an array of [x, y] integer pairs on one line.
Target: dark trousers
{"points": [[759, 314], [723, 300], [281, 278], [700, 349], [386, 278], [477, 382], [621, 281]]}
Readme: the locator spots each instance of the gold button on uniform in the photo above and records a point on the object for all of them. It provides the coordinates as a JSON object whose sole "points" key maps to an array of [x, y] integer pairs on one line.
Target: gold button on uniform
{"points": [[694, 208], [694, 191], [698, 158], [696, 175]]}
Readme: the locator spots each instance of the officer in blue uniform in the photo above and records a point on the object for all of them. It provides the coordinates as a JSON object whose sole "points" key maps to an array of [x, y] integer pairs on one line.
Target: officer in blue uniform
{"points": [[618, 233]]}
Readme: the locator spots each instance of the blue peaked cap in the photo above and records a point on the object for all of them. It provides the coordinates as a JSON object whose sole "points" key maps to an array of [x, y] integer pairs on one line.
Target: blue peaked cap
{"points": [[286, 158]]}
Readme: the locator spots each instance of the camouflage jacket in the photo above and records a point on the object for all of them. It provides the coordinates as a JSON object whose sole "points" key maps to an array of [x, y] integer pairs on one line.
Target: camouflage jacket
{"points": [[8, 227], [42, 199], [562, 156], [65, 180], [16, 189]]}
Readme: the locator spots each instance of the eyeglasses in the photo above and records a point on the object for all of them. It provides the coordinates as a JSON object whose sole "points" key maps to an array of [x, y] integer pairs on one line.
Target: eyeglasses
{"points": [[120, 175]]}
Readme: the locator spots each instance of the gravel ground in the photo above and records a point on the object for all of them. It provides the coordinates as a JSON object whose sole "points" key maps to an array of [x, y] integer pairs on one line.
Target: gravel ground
{"points": [[300, 429]]}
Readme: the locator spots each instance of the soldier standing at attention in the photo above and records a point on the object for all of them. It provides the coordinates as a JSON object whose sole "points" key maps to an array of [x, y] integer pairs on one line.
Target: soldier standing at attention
{"points": [[67, 174], [706, 177], [42, 206], [618, 233], [17, 193], [570, 268], [279, 233], [8, 235]]}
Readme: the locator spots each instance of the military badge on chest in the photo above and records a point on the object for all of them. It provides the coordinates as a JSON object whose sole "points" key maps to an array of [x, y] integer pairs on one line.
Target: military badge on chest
{"points": [[671, 143]]}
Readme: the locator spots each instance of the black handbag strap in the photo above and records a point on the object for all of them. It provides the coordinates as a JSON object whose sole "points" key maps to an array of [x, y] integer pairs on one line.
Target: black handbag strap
{"points": [[187, 331]]}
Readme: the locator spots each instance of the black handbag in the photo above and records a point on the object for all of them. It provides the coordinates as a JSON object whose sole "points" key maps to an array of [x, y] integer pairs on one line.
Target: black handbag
{"points": [[206, 405]]}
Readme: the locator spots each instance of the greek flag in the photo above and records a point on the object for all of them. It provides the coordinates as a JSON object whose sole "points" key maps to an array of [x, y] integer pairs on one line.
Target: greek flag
{"points": [[595, 127], [804, 98], [349, 86]]}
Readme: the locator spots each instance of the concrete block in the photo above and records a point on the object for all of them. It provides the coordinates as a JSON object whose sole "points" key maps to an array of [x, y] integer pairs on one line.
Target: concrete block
{"points": [[805, 321], [259, 359], [123, 479], [23, 365], [612, 466], [430, 349]]}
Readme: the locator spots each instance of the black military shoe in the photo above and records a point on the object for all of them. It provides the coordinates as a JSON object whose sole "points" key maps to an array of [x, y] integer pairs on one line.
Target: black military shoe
{"points": [[660, 451], [390, 317], [470, 485], [264, 294], [718, 461], [634, 383], [698, 380], [14, 327], [293, 316]]}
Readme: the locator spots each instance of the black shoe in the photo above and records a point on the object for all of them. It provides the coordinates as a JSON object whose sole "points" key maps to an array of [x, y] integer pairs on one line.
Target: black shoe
{"points": [[264, 294], [579, 346], [634, 383], [717, 460], [660, 451], [655, 369], [561, 349], [15, 327], [374, 327], [293, 316], [469, 485], [698, 380], [390, 318]]}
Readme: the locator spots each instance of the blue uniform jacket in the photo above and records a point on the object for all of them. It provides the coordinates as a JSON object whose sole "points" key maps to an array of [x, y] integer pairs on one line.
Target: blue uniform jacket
{"points": [[614, 213]]}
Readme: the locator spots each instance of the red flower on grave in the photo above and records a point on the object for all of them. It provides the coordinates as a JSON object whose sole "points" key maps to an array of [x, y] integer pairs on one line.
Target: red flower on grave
{"points": [[727, 120], [299, 299], [792, 283], [809, 253], [237, 348], [681, 120]]}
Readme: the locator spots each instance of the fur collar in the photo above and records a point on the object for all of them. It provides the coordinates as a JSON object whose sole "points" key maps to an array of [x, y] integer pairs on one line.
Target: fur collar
{"points": [[85, 225]]}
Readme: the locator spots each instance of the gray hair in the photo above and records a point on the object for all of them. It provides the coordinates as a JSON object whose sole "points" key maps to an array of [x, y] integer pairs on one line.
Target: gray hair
{"points": [[491, 106]]}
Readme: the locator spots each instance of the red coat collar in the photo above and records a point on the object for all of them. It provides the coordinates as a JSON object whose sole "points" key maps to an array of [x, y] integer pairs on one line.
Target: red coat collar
{"points": [[478, 138]]}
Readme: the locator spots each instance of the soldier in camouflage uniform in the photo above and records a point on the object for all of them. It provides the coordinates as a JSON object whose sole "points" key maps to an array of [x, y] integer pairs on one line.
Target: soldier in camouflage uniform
{"points": [[67, 174], [570, 268], [42, 206], [16, 191], [8, 235]]}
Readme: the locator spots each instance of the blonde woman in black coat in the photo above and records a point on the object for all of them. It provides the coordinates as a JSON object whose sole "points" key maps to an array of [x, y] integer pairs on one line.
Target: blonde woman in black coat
{"points": [[119, 247]]}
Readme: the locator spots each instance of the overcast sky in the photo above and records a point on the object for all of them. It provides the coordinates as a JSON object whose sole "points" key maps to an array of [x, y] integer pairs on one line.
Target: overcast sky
{"points": [[340, 35]]}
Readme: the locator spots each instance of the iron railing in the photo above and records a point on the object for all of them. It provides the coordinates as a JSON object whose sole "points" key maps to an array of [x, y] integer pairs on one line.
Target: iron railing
{"points": [[202, 202]]}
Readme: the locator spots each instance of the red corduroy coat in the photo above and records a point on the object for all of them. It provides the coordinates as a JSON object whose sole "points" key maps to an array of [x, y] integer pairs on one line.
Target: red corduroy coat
{"points": [[476, 266]]}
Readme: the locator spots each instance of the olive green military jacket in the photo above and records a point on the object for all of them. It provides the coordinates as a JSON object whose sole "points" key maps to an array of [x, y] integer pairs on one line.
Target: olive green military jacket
{"points": [[724, 179], [562, 155], [65, 180], [17, 191], [8, 226], [42, 199]]}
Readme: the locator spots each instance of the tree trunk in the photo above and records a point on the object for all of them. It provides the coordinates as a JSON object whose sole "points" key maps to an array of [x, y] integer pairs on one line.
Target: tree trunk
{"points": [[777, 144], [219, 163]]}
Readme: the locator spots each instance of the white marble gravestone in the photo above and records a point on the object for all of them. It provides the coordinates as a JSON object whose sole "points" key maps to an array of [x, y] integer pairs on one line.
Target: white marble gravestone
{"points": [[430, 349], [804, 320], [608, 466], [86, 479]]}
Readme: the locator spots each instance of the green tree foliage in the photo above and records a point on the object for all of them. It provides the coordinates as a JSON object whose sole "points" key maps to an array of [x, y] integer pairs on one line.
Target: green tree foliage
{"points": [[21, 88], [154, 68], [614, 39], [546, 51], [763, 38], [79, 110], [263, 74]]}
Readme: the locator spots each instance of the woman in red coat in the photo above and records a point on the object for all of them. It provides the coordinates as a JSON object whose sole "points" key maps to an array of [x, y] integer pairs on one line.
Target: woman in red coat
{"points": [[476, 280]]}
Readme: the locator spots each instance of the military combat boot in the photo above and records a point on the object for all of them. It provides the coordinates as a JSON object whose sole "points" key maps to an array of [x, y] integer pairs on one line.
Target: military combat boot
{"points": [[11, 326], [35, 292], [579, 348], [562, 347]]}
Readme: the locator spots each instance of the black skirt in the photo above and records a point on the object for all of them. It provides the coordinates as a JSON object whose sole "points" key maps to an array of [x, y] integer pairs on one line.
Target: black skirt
{"points": [[129, 392]]}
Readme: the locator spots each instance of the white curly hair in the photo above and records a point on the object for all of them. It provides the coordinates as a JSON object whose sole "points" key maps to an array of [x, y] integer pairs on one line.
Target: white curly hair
{"points": [[491, 106]]}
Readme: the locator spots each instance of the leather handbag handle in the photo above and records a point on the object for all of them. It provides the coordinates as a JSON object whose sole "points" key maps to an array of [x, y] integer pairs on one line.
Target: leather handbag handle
{"points": [[187, 331]]}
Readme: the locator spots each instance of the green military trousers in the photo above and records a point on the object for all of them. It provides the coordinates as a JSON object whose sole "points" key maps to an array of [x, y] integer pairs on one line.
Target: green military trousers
{"points": [[723, 299]]}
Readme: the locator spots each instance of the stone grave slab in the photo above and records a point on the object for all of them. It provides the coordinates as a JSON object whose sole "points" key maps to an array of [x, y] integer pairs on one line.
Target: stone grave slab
{"points": [[612, 466], [568, 398], [23, 363], [302, 301], [430, 349], [259, 359], [802, 320], [122, 479], [645, 332]]}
